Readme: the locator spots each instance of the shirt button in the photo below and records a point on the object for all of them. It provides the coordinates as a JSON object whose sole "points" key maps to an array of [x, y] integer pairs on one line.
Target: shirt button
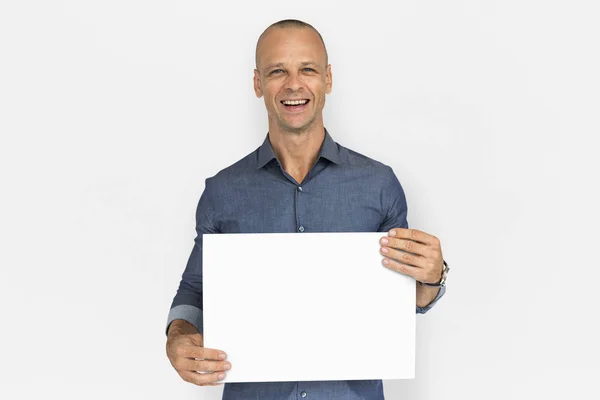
{"points": [[303, 394], [301, 228], [299, 188]]}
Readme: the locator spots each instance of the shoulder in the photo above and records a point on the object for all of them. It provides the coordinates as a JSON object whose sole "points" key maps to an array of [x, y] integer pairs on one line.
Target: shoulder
{"points": [[240, 171], [379, 175], [358, 161]]}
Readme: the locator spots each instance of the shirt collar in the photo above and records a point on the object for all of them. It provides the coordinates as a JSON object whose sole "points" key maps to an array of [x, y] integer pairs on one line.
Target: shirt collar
{"points": [[329, 150]]}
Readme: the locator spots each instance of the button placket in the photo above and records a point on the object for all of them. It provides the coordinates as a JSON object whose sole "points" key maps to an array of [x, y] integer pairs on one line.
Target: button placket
{"points": [[299, 226]]}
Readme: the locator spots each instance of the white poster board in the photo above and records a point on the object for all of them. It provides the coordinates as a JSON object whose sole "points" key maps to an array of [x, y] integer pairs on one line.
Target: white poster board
{"points": [[306, 307]]}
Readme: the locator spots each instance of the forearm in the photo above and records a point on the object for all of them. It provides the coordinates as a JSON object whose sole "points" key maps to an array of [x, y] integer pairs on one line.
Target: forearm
{"points": [[425, 294]]}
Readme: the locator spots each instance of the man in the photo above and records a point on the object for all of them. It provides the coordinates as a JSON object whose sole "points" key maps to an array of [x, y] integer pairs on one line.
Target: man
{"points": [[299, 180]]}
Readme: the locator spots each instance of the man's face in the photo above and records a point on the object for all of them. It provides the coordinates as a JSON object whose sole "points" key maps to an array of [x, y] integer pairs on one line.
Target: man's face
{"points": [[292, 66]]}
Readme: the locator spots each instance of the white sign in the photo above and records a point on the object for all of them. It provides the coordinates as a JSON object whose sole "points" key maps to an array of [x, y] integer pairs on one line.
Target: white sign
{"points": [[307, 307]]}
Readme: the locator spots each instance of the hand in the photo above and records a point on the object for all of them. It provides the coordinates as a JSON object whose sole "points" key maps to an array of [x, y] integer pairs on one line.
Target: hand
{"points": [[413, 252], [190, 358]]}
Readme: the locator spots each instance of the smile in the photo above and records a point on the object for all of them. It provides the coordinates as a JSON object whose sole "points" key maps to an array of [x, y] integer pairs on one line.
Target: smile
{"points": [[294, 102], [295, 105]]}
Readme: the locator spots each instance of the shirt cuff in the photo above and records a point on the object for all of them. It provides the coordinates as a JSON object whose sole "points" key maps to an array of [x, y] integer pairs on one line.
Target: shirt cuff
{"points": [[191, 314], [423, 310]]}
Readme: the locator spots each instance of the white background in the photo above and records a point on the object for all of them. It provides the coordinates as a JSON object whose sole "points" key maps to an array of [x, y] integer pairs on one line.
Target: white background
{"points": [[112, 114]]}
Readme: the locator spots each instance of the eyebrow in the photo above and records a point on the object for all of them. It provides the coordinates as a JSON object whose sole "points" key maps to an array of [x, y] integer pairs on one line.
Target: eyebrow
{"points": [[279, 65]]}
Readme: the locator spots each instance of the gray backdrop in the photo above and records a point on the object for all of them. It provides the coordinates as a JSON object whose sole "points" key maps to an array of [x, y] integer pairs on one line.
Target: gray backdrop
{"points": [[112, 114]]}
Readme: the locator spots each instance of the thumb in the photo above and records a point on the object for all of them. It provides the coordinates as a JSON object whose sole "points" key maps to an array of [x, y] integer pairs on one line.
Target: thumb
{"points": [[197, 339]]}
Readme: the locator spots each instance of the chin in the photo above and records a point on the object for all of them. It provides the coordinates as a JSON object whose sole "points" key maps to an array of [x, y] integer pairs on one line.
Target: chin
{"points": [[303, 124], [299, 129]]}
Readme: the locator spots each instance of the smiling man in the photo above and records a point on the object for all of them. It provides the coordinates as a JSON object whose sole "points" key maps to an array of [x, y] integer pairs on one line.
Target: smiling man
{"points": [[298, 180]]}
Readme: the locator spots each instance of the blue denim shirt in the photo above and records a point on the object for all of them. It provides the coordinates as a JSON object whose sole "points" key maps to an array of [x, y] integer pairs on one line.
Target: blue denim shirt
{"points": [[343, 192]]}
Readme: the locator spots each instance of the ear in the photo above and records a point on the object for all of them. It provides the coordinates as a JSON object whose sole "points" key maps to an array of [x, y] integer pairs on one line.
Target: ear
{"points": [[257, 88], [328, 81]]}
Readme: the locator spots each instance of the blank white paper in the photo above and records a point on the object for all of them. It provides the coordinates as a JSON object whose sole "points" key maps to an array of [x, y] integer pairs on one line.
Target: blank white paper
{"points": [[306, 307]]}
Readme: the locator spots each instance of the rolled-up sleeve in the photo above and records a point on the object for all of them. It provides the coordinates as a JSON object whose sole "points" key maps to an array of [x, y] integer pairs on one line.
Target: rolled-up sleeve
{"points": [[187, 303], [394, 204]]}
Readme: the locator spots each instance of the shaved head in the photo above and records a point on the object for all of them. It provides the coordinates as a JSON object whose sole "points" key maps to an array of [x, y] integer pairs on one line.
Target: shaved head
{"points": [[287, 24], [292, 66]]}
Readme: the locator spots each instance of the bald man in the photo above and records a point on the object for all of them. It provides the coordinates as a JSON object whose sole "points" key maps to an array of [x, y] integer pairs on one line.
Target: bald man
{"points": [[298, 180]]}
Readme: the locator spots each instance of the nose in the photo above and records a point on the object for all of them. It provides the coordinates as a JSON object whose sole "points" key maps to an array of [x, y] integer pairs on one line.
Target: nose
{"points": [[293, 82]]}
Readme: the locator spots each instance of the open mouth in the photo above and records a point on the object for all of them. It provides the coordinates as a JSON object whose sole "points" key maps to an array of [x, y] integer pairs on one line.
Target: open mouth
{"points": [[295, 105]]}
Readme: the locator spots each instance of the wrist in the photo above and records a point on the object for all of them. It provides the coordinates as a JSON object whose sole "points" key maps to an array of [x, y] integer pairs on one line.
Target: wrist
{"points": [[181, 327], [426, 294]]}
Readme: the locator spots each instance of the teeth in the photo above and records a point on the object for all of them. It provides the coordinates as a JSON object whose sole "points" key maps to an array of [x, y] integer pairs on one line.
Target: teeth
{"points": [[294, 102]]}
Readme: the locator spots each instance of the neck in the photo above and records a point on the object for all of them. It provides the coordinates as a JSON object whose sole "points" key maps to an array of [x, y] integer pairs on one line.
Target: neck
{"points": [[297, 151]]}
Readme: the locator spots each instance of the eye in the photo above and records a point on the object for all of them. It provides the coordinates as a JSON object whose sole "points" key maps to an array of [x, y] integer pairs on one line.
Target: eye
{"points": [[275, 71], [308, 69]]}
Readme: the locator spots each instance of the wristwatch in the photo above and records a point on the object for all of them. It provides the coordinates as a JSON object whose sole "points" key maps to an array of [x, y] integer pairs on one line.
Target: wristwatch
{"points": [[442, 281]]}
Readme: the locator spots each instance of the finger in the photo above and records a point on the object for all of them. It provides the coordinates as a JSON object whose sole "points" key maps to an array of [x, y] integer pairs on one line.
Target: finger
{"points": [[202, 379], [406, 245], [214, 354], [202, 353], [415, 235], [405, 269], [404, 257], [203, 365]]}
